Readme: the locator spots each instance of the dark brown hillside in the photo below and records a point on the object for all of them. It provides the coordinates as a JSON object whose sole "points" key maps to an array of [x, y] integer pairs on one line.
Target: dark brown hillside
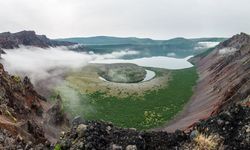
{"points": [[23, 114], [223, 80], [28, 38]]}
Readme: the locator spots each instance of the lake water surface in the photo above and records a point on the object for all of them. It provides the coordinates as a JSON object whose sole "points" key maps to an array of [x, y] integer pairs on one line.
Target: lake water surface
{"points": [[156, 62]]}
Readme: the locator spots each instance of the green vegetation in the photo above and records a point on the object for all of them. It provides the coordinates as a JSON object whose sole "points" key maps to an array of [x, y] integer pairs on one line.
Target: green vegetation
{"points": [[17, 78], [57, 147], [153, 109]]}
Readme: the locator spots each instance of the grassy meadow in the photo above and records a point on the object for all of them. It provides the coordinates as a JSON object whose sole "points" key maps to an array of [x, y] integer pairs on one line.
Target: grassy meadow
{"points": [[154, 108]]}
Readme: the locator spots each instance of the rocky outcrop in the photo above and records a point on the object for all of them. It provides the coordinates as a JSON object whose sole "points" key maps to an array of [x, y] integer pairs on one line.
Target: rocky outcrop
{"points": [[19, 95], [101, 135], [23, 113], [227, 71], [56, 116], [8, 141], [28, 38]]}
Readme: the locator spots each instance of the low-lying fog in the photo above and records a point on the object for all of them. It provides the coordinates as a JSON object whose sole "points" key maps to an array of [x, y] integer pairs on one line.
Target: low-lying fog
{"points": [[46, 67], [40, 64]]}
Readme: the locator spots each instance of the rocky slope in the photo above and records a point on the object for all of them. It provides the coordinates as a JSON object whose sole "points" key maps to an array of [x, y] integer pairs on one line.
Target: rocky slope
{"points": [[26, 119], [223, 80], [28, 38]]}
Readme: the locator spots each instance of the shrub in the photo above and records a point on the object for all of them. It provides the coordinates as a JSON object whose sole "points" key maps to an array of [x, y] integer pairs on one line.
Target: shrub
{"points": [[57, 147]]}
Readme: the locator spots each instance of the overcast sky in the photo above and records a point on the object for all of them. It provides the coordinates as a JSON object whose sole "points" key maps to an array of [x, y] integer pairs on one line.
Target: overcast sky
{"points": [[158, 19]]}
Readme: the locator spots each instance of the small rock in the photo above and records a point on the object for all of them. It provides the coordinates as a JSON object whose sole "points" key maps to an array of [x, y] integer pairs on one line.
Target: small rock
{"points": [[81, 129], [1, 137], [9, 141], [19, 147], [19, 137], [77, 120], [81, 145], [29, 145], [47, 144], [220, 122], [247, 128], [116, 147], [131, 147], [133, 129], [193, 134], [108, 129], [39, 147]]}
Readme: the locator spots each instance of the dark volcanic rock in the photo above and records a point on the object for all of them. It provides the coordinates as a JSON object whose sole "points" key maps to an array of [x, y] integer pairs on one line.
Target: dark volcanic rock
{"points": [[10, 142], [232, 127], [18, 94], [29, 38], [56, 116], [237, 41], [101, 135], [22, 114], [1, 52]]}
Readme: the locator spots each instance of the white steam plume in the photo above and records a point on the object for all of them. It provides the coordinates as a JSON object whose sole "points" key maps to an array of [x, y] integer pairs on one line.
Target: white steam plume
{"points": [[40, 64]]}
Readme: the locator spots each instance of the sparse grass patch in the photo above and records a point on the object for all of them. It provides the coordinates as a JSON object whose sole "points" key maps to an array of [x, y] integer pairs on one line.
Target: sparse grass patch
{"points": [[151, 118], [206, 142]]}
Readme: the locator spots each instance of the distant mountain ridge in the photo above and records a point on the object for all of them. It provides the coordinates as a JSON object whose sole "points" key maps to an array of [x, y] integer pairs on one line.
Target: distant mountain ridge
{"points": [[176, 47], [28, 38], [110, 40]]}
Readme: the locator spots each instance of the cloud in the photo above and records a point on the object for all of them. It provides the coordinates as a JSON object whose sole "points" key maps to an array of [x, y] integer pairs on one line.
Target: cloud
{"points": [[156, 19], [42, 64], [171, 54], [227, 50], [205, 45]]}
